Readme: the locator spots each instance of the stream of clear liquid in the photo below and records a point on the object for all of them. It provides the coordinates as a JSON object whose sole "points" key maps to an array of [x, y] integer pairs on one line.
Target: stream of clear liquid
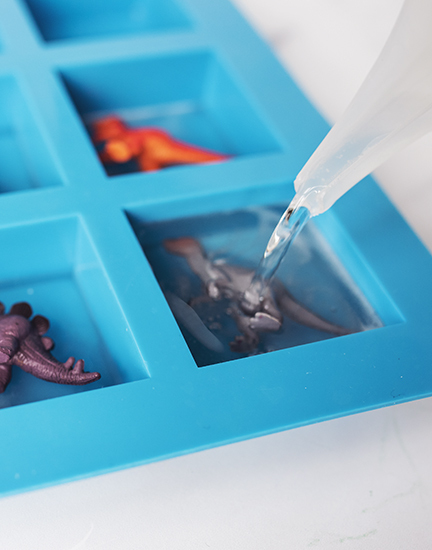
{"points": [[288, 227]]}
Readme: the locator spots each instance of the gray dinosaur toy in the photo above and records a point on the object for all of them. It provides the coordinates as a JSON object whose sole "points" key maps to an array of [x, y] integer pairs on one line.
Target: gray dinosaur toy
{"points": [[22, 344], [222, 280]]}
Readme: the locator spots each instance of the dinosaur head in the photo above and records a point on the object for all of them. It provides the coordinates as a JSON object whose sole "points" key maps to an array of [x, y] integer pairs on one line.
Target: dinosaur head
{"points": [[184, 246], [110, 127]]}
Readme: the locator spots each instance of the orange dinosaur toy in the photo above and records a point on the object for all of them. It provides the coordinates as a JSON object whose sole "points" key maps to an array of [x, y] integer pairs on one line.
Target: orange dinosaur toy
{"points": [[152, 148]]}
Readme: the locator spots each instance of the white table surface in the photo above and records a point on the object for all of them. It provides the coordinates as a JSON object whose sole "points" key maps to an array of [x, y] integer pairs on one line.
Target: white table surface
{"points": [[361, 482]]}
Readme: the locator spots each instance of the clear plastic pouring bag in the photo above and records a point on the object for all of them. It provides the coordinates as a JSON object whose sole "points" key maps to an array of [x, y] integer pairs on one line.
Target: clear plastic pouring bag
{"points": [[392, 108]]}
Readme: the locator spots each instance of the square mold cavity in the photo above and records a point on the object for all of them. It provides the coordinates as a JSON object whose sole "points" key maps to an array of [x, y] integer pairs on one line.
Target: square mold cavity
{"points": [[63, 19], [190, 96], [53, 267], [25, 161], [344, 294]]}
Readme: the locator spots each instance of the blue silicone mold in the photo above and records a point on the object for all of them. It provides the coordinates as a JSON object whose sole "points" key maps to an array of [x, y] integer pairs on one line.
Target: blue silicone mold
{"points": [[82, 243]]}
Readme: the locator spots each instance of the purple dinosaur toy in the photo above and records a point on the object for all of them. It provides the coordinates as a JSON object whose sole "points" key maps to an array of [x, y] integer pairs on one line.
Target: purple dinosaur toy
{"points": [[22, 344]]}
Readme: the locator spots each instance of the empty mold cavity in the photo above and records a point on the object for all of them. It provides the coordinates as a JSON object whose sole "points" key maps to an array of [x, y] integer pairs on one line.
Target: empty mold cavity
{"points": [[189, 95], [53, 267], [63, 19], [25, 161], [312, 272]]}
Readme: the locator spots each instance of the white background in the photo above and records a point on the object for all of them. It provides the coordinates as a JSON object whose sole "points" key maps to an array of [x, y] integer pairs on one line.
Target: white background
{"points": [[362, 482]]}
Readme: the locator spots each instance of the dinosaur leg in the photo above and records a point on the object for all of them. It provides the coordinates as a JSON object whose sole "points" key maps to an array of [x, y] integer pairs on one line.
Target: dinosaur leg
{"points": [[8, 347], [249, 339], [5, 375], [147, 163]]}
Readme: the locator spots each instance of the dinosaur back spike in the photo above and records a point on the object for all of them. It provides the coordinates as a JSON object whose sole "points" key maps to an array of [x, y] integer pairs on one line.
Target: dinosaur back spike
{"points": [[21, 308], [40, 324], [183, 246]]}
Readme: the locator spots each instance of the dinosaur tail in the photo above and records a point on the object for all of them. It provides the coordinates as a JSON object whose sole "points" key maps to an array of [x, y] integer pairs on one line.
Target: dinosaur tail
{"points": [[42, 364], [300, 314]]}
